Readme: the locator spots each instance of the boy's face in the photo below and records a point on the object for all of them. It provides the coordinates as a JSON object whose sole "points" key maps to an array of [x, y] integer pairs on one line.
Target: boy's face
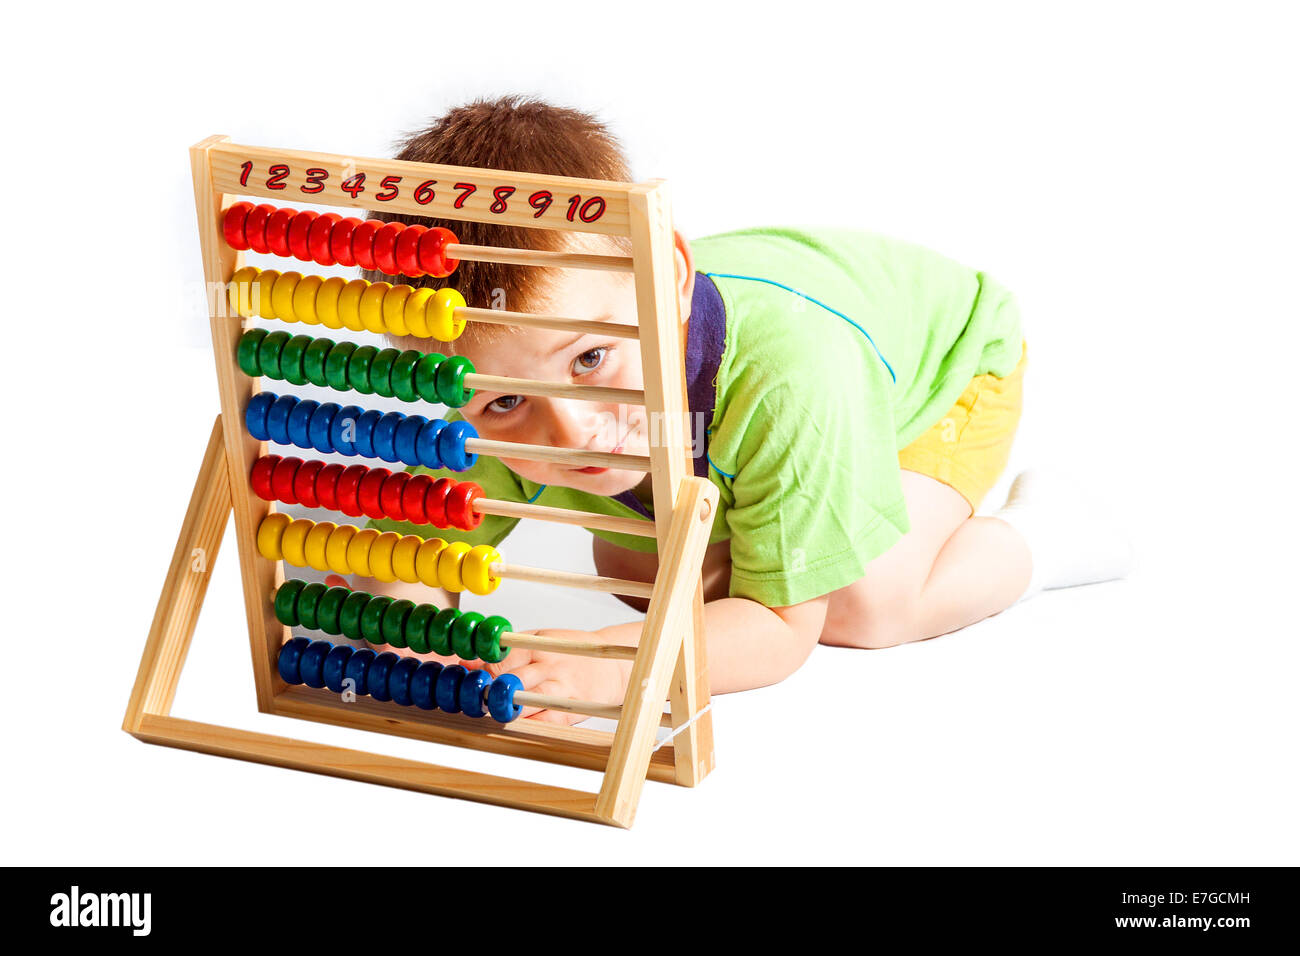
{"points": [[570, 357]]}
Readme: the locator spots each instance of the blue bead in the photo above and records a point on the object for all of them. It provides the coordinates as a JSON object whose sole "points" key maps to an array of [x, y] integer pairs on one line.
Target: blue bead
{"points": [[446, 690], [501, 698], [363, 441], [277, 419], [299, 419], [426, 444], [383, 435], [336, 666], [318, 429], [255, 414], [358, 670], [408, 432], [377, 677], [287, 663], [311, 665], [422, 681], [399, 680], [471, 692], [451, 446], [344, 428]]}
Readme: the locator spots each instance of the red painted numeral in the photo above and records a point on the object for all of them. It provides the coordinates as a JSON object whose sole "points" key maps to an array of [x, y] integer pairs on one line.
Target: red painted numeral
{"points": [[354, 185], [574, 201], [388, 188], [315, 180], [541, 201], [468, 190], [499, 197], [592, 209], [276, 180], [243, 176], [424, 192]]}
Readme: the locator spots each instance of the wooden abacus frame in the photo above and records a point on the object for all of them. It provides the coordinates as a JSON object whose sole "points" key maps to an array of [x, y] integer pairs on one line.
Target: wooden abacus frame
{"points": [[669, 660]]}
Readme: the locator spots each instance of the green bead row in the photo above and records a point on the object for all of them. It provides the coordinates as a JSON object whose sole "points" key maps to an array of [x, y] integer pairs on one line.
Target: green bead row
{"points": [[411, 376], [380, 619]]}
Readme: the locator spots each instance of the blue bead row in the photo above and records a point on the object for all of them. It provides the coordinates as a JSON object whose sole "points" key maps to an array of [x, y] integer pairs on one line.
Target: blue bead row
{"points": [[391, 436], [403, 680]]}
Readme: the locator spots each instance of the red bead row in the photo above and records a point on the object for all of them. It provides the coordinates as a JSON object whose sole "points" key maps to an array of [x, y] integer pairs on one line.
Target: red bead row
{"points": [[394, 248], [377, 493]]}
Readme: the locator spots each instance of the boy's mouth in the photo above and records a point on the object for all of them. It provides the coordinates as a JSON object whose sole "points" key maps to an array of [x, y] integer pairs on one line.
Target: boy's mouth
{"points": [[593, 470]]}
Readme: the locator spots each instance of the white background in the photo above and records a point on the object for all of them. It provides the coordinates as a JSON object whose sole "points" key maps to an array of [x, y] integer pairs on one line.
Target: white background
{"points": [[1129, 170]]}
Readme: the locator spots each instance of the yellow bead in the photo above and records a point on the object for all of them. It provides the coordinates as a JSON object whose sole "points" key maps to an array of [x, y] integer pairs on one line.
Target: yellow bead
{"points": [[359, 551], [327, 302], [426, 561], [476, 569], [269, 533], [414, 311], [282, 296], [350, 304], [381, 556], [262, 292], [404, 558], [314, 546], [449, 565], [372, 307], [336, 548], [441, 315], [241, 292], [293, 540], [395, 309], [304, 299]]}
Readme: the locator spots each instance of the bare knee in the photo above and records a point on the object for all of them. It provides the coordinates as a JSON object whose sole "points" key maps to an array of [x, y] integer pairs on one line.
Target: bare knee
{"points": [[873, 621]]}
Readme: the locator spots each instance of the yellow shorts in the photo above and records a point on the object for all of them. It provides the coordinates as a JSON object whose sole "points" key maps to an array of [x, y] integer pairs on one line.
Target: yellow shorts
{"points": [[968, 448]]}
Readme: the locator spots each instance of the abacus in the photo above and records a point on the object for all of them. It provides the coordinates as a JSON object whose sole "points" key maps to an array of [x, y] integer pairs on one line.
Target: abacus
{"points": [[376, 689]]}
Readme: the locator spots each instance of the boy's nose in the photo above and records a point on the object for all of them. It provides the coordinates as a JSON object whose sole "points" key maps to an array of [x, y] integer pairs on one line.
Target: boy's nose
{"points": [[574, 424]]}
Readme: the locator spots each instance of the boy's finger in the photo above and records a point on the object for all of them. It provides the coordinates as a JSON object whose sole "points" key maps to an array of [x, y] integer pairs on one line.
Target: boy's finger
{"points": [[334, 581]]}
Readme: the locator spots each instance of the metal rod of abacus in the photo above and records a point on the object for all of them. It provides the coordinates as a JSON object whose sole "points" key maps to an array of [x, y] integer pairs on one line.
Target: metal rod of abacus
{"points": [[562, 456], [558, 322], [528, 386], [583, 519], [539, 257]]}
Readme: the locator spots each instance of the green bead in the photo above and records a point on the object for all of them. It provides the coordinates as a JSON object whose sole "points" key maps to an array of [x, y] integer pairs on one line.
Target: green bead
{"points": [[487, 639], [328, 608], [450, 381], [268, 353], [291, 359], [462, 634], [403, 375], [393, 626], [336, 366], [350, 614], [426, 376], [313, 361], [286, 602], [417, 628], [307, 602], [359, 369], [249, 343], [372, 618], [440, 630], [381, 368]]}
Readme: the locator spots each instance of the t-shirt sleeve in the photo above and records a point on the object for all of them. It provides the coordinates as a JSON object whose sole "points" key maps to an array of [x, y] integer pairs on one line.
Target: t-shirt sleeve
{"points": [[814, 478]]}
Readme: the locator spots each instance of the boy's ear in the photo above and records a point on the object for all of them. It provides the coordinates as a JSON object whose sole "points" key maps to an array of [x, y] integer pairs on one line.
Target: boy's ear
{"points": [[684, 262]]}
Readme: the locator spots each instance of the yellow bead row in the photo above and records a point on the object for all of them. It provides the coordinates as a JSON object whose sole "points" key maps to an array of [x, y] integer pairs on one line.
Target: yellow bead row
{"points": [[337, 303], [386, 555]]}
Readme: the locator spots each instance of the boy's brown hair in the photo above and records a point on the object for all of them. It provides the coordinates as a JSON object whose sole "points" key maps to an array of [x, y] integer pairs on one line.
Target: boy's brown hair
{"points": [[521, 135]]}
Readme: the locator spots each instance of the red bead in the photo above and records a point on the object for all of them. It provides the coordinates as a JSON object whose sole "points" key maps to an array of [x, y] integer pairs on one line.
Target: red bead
{"points": [[407, 251], [260, 476], [341, 241], [363, 242], [460, 506], [255, 227], [433, 259], [368, 491], [386, 247], [318, 238], [282, 479], [413, 493], [304, 483], [347, 490], [390, 495], [435, 502], [299, 230], [232, 225], [277, 231], [327, 490]]}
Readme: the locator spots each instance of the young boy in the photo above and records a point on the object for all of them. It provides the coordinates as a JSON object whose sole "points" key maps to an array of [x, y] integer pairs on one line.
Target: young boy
{"points": [[853, 398]]}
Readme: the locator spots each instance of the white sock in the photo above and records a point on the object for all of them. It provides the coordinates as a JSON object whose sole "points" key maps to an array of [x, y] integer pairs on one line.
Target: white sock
{"points": [[1071, 541]]}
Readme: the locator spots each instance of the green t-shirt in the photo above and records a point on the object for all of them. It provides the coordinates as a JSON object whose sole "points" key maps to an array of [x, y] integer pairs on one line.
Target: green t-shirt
{"points": [[801, 417]]}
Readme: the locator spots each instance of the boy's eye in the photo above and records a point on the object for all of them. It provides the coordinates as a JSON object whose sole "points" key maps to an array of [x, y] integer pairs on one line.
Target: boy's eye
{"points": [[589, 360], [503, 404]]}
